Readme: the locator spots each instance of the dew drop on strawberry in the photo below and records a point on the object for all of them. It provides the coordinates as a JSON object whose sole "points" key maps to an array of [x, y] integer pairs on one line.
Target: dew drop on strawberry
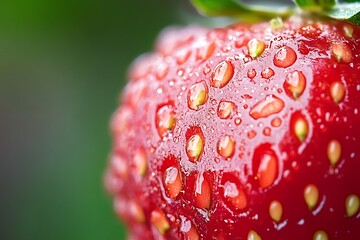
{"points": [[165, 119], [232, 193], [285, 57], [267, 73], [342, 52], [194, 143], [182, 56], [251, 134], [205, 50], [276, 122], [159, 221], [251, 73], [136, 212], [226, 146], [188, 230], [119, 166], [225, 109], [266, 107], [140, 162], [294, 85], [237, 121], [161, 71], [172, 182], [222, 74], [267, 131], [197, 95], [265, 165], [202, 192]]}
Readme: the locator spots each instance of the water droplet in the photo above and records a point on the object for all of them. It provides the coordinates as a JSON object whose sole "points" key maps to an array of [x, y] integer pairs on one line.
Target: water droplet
{"points": [[159, 221], [334, 151], [252, 235], [222, 74], [194, 143], [165, 119], [267, 131], [226, 146], [182, 56], [265, 164], [348, 30], [311, 195], [341, 52], [337, 91], [140, 162], [240, 42], [197, 95], [251, 73], [270, 105], [320, 235], [285, 57], [251, 134], [188, 230], [276, 122], [205, 50], [255, 47], [136, 212], [161, 71], [275, 210], [299, 126], [352, 204], [202, 197], [119, 166], [225, 109], [237, 121], [267, 73], [294, 85], [172, 181], [234, 196]]}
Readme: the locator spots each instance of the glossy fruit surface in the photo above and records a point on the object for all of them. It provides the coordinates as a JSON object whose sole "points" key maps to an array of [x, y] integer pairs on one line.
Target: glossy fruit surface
{"points": [[244, 132]]}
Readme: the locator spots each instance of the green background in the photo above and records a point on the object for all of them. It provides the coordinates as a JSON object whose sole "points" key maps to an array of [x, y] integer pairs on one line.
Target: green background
{"points": [[62, 66]]}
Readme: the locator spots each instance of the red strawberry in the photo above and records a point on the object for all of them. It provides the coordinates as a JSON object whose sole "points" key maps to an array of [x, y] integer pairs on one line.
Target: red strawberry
{"points": [[244, 132]]}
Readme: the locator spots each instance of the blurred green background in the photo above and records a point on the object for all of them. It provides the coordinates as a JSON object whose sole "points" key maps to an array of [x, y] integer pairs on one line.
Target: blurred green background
{"points": [[62, 66]]}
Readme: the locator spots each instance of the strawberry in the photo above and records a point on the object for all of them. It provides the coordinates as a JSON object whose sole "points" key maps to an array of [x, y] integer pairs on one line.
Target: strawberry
{"points": [[250, 131]]}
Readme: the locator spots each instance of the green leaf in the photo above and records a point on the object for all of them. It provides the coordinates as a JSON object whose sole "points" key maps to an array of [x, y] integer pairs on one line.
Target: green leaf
{"points": [[346, 11], [239, 9], [315, 5]]}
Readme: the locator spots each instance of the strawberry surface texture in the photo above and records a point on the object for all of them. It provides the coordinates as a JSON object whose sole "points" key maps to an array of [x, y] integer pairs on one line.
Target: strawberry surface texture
{"points": [[242, 132]]}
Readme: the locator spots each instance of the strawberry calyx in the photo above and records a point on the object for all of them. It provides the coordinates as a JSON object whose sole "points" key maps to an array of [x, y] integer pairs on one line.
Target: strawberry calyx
{"points": [[246, 12]]}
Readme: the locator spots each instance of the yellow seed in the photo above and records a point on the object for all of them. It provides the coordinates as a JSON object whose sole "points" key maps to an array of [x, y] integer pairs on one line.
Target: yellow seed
{"points": [[253, 236], [275, 210], [352, 204], [348, 30], [301, 129], [334, 151], [276, 23], [255, 47], [194, 147], [311, 195], [320, 235], [337, 91], [159, 221]]}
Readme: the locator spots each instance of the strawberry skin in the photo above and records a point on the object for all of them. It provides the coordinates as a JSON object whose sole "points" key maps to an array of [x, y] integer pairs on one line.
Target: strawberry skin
{"points": [[244, 132]]}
